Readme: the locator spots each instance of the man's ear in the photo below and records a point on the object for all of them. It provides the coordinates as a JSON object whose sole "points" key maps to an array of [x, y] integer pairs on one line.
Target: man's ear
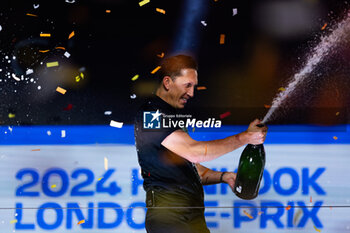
{"points": [[167, 82]]}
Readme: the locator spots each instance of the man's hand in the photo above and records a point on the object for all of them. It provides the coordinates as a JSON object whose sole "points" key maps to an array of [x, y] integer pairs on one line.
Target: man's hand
{"points": [[230, 179], [254, 134]]}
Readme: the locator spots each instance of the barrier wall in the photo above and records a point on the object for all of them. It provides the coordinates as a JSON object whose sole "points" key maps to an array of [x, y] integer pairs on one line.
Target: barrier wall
{"points": [[53, 177]]}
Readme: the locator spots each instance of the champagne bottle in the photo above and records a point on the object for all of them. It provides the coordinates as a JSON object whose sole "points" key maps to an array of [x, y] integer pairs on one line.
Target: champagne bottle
{"points": [[250, 171]]}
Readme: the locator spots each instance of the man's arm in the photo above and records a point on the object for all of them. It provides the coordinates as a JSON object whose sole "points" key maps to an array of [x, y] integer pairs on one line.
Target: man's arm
{"points": [[182, 144], [209, 176]]}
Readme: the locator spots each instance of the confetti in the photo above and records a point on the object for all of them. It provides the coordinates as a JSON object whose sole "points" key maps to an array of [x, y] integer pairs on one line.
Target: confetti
{"points": [[11, 115], [310, 199], [234, 11], [0, 28], [32, 15], [106, 163], [318, 230], [335, 137], [224, 115], [53, 186], [108, 113], [71, 35], [108, 11], [155, 70], [260, 213], [247, 214], [267, 106], [193, 129], [45, 35], [222, 38], [204, 23], [13, 221], [144, 2], [35, 149], [29, 71], [69, 107], [288, 207], [70, 1], [324, 26], [15, 77], [67, 55], [52, 64], [36, 6], [160, 10], [81, 221], [116, 124], [63, 48], [63, 133], [160, 55], [100, 178], [61, 90], [135, 77], [44, 51], [48, 132], [281, 89], [337, 113], [133, 96], [201, 88]]}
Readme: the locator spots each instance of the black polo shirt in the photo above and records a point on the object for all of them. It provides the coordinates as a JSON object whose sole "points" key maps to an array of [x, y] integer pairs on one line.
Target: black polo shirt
{"points": [[161, 168]]}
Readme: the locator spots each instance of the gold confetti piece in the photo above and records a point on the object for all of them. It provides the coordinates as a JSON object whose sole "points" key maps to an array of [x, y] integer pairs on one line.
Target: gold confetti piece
{"points": [[63, 48], [77, 79], [108, 11], [335, 137], [53, 186], [324, 26], [106, 163], [160, 10], [32, 15], [288, 207], [82, 75], [155, 70], [45, 35], [201, 88], [281, 89], [116, 124], [144, 2], [44, 51], [12, 115], [61, 90], [260, 213], [135, 77], [71, 35], [247, 214], [100, 178], [318, 230], [310, 199], [81, 222], [337, 113], [267, 106], [193, 129], [160, 55], [52, 64], [13, 221], [222, 38], [36, 150]]}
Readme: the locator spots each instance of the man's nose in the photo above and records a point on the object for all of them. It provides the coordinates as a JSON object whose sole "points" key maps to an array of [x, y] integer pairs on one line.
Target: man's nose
{"points": [[190, 92]]}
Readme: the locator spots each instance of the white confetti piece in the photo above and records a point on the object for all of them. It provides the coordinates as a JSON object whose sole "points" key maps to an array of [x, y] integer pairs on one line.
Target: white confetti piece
{"points": [[29, 71], [36, 6], [204, 23], [10, 129], [70, 1], [235, 11], [48, 132], [133, 96], [63, 133], [67, 55], [0, 28], [15, 77], [106, 163], [39, 87], [116, 124], [108, 113]]}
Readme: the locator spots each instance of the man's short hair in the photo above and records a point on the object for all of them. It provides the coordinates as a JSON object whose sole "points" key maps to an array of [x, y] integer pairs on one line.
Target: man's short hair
{"points": [[172, 66]]}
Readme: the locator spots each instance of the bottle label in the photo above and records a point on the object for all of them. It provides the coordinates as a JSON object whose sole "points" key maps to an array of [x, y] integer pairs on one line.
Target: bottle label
{"points": [[239, 189]]}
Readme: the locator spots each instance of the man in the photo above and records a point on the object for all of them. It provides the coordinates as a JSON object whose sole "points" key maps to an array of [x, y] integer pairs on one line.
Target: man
{"points": [[169, 157]]}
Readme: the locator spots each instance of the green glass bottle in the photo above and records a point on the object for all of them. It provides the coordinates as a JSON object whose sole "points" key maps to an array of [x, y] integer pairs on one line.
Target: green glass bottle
{"points": [[250, 171]]}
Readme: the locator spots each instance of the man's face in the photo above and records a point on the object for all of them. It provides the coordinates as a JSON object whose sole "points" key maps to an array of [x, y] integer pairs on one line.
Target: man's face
{"points": [[182, 88]]}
